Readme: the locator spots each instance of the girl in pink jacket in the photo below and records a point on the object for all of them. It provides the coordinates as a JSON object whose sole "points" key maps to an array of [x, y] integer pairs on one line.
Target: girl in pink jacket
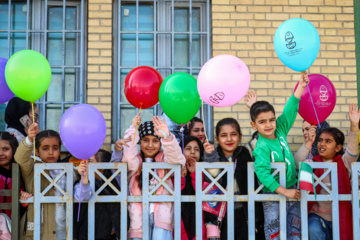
{"points": [[153, 135]]}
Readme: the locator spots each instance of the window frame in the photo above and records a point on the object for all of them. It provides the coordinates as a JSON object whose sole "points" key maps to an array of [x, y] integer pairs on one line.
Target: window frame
{"points": [[168, 6], [38, 32]]}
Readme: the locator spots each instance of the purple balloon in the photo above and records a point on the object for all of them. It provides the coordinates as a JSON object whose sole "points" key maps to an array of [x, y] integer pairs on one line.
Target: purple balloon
{"points": [[82, 130], [5, 93]]}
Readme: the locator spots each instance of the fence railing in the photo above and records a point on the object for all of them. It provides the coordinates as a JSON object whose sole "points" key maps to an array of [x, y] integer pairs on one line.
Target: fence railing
{"points": [[173, 171]]}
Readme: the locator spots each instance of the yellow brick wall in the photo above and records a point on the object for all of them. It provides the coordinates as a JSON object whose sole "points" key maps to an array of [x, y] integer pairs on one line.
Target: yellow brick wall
{"points": [[246, 28], [99, 75]]}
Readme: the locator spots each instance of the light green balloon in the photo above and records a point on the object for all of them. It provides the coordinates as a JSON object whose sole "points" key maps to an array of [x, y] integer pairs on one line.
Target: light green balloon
{"points": [[28, 75]]}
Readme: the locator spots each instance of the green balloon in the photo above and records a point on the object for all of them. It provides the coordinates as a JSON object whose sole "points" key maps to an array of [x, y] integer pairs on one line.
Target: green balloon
{"points": [[179, 97], [28, 75]]}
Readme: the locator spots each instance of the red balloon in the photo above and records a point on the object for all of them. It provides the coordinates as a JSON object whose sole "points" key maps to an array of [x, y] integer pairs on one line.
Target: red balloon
{"points": [[142, 86], [323, 94]]}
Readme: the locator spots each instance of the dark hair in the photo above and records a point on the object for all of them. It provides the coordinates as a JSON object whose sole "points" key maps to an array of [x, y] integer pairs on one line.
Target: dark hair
{"points": [[15, 109], [338, 137], [188, 139], [259, 107], [12, 142], [103, 156], [46, 134], [193, 121], [227, 121]]}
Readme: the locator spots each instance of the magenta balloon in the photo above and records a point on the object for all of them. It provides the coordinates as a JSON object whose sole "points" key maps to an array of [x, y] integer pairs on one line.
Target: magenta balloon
{"points": [[223, 81], [323, 94], [82, 130], [5, 93]]}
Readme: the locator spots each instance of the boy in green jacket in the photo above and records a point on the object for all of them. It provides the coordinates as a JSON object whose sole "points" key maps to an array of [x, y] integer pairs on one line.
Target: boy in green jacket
{"points": [[272, 146]]}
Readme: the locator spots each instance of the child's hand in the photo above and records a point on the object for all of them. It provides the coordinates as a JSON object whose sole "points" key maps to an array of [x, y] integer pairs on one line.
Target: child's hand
{"points": [[292, 193], [354, 116], [312, 133], [25, 195], [304, 79], [183, 171], [160, 127], [302, 85], [190, 164], [83, 168], [250, 98], [136, 120], [208, 147], [122, 142], [32, 131]]}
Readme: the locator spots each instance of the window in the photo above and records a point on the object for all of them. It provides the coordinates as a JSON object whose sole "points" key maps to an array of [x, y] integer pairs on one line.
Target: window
{"points": [[57, 30], [170, 36]]}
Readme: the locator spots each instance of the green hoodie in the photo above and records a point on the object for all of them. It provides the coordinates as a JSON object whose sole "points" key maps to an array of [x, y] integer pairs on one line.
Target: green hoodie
{"points": [[277, 150]]}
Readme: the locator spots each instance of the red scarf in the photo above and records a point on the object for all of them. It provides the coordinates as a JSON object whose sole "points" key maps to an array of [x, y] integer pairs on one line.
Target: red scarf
{"points": [[345, 208]]}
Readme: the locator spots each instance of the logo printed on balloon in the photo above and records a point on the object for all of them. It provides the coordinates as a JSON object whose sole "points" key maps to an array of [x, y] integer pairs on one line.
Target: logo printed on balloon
{"points": [[289, 37], [217, 98], [324, 96], [323, 93], [297, 43]]}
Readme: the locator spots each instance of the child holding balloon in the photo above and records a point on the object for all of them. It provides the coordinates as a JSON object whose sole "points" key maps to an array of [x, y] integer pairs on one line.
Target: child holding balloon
{"points": [[228, 136], [107, 215], [330, 148], [152, 135], [272, 146], [47, 148]]}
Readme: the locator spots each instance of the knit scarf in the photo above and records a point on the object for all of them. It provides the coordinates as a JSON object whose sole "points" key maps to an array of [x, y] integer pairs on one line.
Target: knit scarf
{"points": [[345, 208]]}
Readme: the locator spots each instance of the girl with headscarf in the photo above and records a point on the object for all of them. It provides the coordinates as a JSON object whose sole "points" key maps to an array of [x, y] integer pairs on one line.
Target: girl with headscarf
{"points": [[16, 109]]}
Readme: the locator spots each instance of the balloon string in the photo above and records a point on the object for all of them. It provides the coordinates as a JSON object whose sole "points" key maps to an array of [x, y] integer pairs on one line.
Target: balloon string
{"points": [[33, 120], [137, 125], [312, 101], [203, 117], [81, 186], [182, 137]]}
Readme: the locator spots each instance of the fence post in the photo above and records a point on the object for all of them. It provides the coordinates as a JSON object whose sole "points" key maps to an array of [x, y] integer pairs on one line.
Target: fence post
{"points": [[15, 208], [40, 198], [121, 197], [226, 196], [355, 197], [149, 197]]}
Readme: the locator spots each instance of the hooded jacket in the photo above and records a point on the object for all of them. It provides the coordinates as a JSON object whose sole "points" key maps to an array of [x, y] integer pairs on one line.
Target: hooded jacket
{"points": [[164, 211]]}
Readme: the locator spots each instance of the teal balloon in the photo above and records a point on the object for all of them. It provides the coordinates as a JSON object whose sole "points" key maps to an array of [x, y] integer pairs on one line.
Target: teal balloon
{"points": [[297, 43], [28, 75], [179, 97]]}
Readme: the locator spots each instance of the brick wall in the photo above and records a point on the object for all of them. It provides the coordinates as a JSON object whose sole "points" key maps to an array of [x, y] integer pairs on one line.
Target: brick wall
{"points": [[99, 76], [246, 28]]}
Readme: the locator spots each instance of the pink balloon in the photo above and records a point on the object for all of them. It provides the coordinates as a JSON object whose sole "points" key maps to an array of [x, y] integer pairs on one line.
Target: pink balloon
{"points": [[323, 94], [223, 81]]}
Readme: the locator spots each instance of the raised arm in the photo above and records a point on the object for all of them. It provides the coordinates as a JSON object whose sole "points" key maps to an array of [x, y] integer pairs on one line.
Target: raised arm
{"points": [[172, 151], [304, 80], [86, 192], [250, 98], [131, 152], [352, 150], [287, 118], [23, 153], [118, 149]]}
